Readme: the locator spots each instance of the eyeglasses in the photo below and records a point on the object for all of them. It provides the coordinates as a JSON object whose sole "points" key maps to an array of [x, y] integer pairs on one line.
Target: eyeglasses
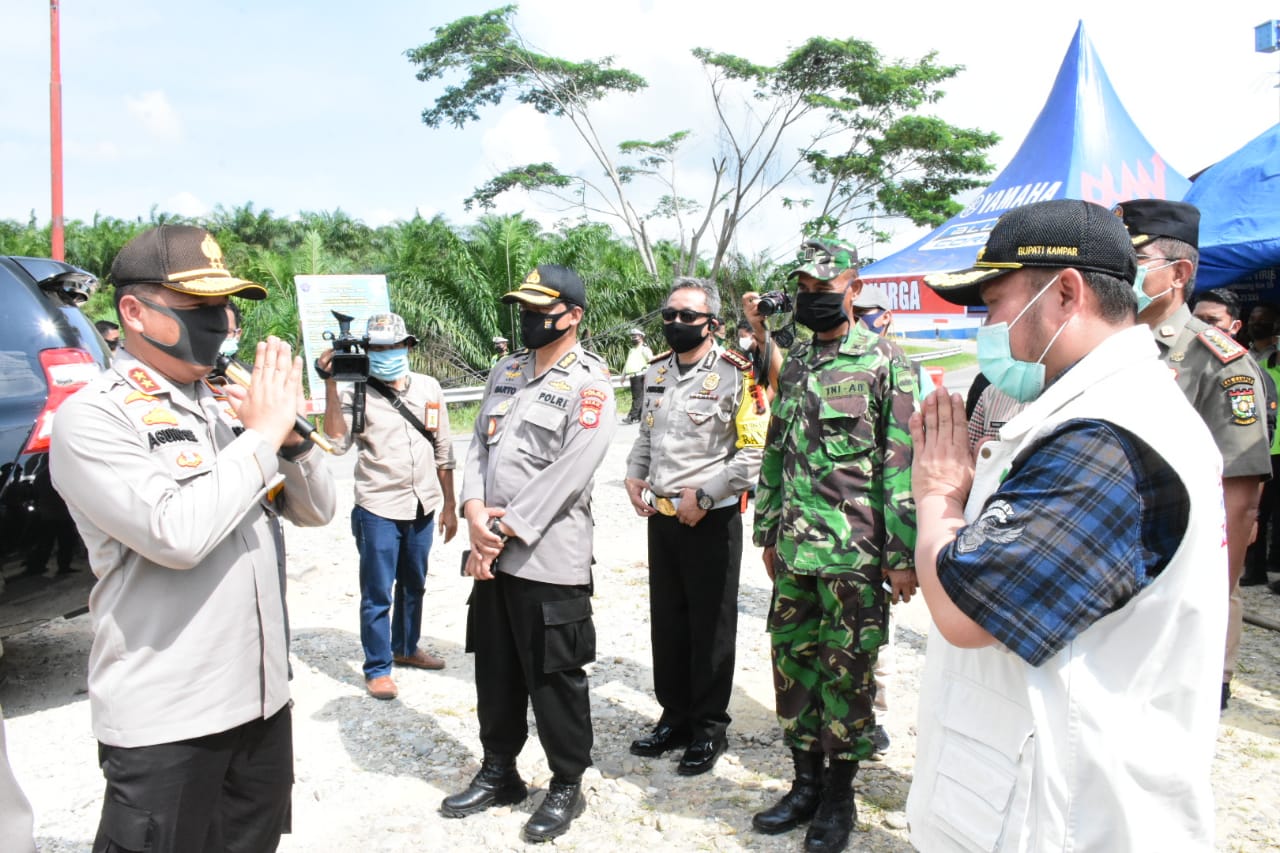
{"points": [[1142, 259], [683, 314]]}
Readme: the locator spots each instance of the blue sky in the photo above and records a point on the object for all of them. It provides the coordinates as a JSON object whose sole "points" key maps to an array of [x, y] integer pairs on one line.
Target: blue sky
{"points": [[312, 105]]}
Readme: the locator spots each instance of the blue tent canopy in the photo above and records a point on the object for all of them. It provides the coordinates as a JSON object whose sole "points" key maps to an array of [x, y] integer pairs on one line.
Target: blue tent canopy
{"points": [[1083, 145], [1239, 201]]}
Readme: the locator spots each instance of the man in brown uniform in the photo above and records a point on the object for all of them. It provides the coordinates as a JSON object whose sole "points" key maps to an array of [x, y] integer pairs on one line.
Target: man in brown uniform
{"points": [[1215, 372]]}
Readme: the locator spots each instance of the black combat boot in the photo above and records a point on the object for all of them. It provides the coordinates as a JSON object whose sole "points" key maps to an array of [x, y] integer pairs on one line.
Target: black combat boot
{"points": [[563, 802], [798, 804], [829, 830], [497, 784]]}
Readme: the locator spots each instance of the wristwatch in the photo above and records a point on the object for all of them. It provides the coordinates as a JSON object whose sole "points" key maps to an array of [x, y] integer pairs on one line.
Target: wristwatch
{"points": [[705, 501], [495, 527]]}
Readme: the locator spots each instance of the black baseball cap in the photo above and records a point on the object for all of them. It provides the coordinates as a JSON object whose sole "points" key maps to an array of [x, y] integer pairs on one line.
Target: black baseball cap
{"points": [[183, 258], [1152, 218], [1055, 234], [547, 284]]}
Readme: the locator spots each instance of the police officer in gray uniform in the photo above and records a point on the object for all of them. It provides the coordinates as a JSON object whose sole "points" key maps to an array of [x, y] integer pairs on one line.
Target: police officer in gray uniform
{"points": [[544, 426], [702, 429], [173, 484], [1217, 374]]}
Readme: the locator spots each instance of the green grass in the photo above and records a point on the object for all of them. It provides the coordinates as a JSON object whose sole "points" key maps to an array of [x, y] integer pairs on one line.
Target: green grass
{"points": [[953, 362]]}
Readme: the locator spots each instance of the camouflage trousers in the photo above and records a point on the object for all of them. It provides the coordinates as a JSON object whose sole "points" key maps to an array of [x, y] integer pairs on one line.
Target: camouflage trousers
{"points": [[825, 633]]}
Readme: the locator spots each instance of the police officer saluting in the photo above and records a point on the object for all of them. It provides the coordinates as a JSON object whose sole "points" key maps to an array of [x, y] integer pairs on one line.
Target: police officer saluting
{"points": [[1214, 372], [702, 431], [544, 426]]}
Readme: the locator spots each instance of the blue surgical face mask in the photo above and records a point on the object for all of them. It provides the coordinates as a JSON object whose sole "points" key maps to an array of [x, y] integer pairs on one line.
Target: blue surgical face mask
{"points": [[230, 347], [389, 365], [1140, 277], [1021, 380]]}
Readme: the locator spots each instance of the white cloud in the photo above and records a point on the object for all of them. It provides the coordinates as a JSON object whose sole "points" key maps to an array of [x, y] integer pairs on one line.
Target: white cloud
{"points": [[185, 204], [156, 115], [520, 136]]}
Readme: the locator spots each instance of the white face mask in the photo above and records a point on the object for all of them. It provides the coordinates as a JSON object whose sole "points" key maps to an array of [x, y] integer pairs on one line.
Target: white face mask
{"points": [[1143, 299], [745, 343], [1021, 380]]}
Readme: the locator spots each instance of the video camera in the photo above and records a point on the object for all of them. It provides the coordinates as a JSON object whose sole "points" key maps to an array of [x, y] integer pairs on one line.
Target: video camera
{"points": [[350, 364], [350, 354]]}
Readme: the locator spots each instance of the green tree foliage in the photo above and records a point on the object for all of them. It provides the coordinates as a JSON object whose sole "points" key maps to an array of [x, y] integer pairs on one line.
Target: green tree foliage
{"points": [[495, 62], [833, 118]]}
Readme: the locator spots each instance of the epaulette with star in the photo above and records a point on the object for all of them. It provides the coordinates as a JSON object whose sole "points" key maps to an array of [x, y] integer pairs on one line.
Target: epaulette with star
{"points": [[660, 356], [737, 359], [1221, 345]]}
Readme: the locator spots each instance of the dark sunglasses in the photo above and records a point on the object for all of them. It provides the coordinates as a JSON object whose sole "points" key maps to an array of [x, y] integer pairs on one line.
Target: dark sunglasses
{"points": [[683, 314]]}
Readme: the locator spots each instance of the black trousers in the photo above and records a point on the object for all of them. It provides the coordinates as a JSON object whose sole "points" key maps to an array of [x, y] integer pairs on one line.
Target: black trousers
{"points": [[229, 791], [637, 397], [693, 617], [531, 641]]}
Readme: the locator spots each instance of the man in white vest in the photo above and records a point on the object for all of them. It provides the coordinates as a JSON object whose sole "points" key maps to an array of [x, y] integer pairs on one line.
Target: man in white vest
{"points": [[1070, 694]]}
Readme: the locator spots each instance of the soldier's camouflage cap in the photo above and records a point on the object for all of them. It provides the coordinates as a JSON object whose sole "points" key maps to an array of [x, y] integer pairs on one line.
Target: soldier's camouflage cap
{"points": [[825, 259]]}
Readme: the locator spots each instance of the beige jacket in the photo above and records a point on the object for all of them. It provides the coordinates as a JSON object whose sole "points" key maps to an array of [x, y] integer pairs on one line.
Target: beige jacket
{"points": [[190, 633]]}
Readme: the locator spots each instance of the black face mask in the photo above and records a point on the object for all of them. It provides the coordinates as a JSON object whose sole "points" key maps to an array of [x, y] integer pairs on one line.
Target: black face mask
{"points": [[820, 312], [201, 331], [683, 337], [538, 330]]}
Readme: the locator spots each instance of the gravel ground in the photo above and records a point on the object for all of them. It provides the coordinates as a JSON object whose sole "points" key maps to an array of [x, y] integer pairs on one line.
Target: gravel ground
{"points": [[370, 774]]}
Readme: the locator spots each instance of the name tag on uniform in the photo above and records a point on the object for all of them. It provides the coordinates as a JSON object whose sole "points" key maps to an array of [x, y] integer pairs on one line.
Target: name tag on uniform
{"points": [[433, 416], [851, 388]]}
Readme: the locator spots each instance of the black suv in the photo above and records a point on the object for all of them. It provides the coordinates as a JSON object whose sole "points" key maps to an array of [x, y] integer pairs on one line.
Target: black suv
{"points": [[48, 350]]}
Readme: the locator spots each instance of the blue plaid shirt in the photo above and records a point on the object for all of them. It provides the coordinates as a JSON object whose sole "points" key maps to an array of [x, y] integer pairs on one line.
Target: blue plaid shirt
{"points": [[1085, 519]]}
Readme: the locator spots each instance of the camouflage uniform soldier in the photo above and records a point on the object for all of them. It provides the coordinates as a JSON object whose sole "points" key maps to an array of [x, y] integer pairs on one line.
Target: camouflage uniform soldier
{"points": [[835, 516]]}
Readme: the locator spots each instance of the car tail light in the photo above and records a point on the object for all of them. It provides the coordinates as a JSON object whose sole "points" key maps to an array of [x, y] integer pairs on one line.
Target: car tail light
{"points": [[67, 371]]}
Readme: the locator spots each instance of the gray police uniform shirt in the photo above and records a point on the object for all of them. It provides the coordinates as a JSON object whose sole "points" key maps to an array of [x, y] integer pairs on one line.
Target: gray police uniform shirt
{"points": [[1221, 382], [538, 441], [396, 465], [703, 429], [175, 508]]}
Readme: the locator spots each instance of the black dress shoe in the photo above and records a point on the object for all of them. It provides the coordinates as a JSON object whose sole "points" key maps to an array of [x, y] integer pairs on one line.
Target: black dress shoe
{"points": [[702, 755], [660, 740], [563, 802]]}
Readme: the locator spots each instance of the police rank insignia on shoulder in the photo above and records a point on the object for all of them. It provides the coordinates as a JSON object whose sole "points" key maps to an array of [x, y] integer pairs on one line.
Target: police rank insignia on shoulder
{"points": [[1244, 403], [568, 361], [1220, 345], [142, 380], [737, 359]]}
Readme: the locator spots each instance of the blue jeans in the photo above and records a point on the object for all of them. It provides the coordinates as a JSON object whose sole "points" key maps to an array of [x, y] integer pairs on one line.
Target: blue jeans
{"points": [[391, 553]]}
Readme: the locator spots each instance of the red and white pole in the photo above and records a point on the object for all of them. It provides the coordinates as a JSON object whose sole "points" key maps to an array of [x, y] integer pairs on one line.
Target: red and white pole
{"points": [[57, 249]]}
